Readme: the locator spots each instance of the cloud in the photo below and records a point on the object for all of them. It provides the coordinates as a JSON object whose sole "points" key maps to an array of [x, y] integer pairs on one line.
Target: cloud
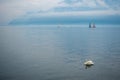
{"points": [[114, 4], [13, 9], [76, 13], [85, 3], [102, 3]]}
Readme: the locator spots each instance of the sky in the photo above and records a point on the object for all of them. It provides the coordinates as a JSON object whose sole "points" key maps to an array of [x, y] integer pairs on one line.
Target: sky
{"points": [[59, 11]]}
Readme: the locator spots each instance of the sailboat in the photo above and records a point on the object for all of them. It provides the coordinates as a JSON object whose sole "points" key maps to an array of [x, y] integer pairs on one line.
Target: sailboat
{"points": [[92, 25]]}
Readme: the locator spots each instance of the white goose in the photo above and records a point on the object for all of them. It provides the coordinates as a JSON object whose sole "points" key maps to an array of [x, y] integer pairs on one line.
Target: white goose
{"points": [[89, 63]]}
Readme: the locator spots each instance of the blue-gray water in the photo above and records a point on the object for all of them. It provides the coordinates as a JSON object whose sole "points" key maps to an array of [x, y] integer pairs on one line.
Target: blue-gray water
{"points": [[58, 53]]}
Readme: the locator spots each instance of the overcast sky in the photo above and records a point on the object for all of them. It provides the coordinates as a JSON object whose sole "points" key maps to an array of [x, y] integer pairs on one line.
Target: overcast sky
{"points": [[50, 11]]}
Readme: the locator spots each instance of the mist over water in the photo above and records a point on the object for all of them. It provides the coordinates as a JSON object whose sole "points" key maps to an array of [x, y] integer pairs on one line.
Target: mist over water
{"points": [[58, 53]]}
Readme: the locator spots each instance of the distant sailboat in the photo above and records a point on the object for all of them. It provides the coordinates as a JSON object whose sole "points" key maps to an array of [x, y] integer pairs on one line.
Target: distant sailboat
{"points": [[92, 25], [89, 25], [59, 26]]}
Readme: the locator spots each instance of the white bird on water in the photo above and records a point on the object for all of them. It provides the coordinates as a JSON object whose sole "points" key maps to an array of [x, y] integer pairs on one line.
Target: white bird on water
{"points": [[89, 63]]}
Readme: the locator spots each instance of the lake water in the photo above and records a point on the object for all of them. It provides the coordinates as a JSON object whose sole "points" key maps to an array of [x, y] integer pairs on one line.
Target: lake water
{"points": [[58, 53]]}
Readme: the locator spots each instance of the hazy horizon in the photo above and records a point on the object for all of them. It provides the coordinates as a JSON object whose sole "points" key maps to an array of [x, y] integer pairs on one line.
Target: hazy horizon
{"points": [[18, 12]]}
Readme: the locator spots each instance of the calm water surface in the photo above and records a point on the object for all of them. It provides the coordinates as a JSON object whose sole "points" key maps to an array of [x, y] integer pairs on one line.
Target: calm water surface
{"points": [[58, 53]]}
